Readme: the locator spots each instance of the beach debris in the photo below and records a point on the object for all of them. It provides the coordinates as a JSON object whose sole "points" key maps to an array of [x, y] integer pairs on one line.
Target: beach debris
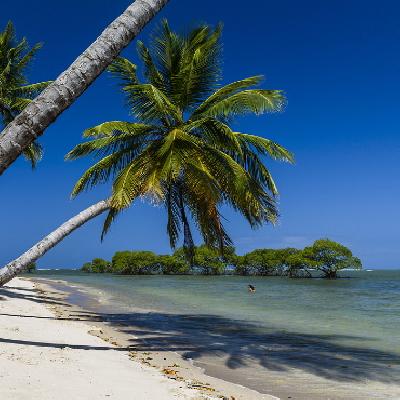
{"points": [[169, 371], [201, 386]]}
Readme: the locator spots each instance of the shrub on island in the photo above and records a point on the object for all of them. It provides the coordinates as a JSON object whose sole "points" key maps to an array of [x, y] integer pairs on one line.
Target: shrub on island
{"points": [[97, 265], [31, 267], [323, 256], [330, 257], [135, 263]]}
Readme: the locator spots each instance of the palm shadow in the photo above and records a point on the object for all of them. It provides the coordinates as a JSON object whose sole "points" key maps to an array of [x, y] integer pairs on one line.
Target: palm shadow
{"points": [[237, 343], [241, 343], [35, 295]]}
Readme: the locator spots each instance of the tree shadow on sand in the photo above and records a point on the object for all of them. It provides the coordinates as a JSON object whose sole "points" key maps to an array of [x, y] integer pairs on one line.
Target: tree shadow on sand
{"points": [[35, 295], [238, 343], [241, 343]]}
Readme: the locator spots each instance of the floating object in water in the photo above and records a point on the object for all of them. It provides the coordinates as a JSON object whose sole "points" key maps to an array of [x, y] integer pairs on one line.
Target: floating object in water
{"points": [[251, 288]]}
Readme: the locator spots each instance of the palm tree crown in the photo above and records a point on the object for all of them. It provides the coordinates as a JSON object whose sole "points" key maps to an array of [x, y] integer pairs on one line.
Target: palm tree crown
{"points": [[15, 92], [182, 151]]}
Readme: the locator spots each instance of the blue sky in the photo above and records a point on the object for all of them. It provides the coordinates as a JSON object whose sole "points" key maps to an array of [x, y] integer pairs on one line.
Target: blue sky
{"points": [[338, 62]]}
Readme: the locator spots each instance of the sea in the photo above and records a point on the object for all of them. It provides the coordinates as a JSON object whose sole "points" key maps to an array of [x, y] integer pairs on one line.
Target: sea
{"points": [[304, 336]]}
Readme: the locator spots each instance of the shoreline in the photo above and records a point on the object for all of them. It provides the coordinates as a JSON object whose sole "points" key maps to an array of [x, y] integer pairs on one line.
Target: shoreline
{"points": [[170, 363], [45, 357], [191, 350], [36, 303]]}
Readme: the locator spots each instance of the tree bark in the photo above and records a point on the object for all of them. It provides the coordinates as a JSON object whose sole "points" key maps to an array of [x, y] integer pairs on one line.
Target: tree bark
{"points": [[21, 263], [59, 95]]}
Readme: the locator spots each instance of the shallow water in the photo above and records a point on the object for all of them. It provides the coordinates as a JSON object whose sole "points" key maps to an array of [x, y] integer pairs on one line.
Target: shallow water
{"points": [[346, 331]]}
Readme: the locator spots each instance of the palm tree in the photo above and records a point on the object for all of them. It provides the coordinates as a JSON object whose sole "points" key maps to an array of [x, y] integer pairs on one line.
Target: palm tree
{"points": [[182, 151], [40, 113], [23, 262], [15, 91]]}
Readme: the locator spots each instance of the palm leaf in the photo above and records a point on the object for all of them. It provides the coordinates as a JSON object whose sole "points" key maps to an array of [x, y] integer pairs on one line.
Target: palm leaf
{"points": [[33, 153], [100, 172], [124, 70], [226, 91], [256, 101], [265, 147], [150, 104]]}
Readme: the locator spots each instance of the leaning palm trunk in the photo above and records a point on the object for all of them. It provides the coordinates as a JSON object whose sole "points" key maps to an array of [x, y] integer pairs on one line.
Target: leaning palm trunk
{"points": [[58, 96], [20, 264]]}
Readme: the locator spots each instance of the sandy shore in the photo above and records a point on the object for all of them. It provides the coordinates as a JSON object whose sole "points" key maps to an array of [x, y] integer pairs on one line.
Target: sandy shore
{"points": [[46, 354]]}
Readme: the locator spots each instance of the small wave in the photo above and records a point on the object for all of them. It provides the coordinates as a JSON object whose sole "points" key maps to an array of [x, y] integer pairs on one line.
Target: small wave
{"points": [[48, 269]]}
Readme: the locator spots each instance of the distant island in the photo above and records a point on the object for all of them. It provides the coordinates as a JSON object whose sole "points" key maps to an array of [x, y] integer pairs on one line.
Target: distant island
{"points": [[324, 256]]}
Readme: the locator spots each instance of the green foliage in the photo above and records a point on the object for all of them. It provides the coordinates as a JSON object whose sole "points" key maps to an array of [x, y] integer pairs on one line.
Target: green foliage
{"points": [[97, 265], [324, 255], [182, 151], [15, 91], [173, 265], [31, 267], [265, 262], [329, 257], [134, 262], [297, 266], [209, 260]]}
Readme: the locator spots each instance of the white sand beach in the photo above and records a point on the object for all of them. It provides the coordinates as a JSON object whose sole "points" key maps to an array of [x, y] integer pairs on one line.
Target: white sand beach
{"points": [[45, 357]]}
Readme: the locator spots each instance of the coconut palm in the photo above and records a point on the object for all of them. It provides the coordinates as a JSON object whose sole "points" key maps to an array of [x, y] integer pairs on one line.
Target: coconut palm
{"points": [[15, 91], [22, 263], [43, 111], [181, 150]]}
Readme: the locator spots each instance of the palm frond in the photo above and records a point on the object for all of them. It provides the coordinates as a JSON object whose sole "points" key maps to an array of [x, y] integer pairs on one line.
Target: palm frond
{"points": [[136, 179], [28, 57], [110, 218], [215, 133], [151, 72], [100, 172], [265, 147], [167, 47], [32, 90], [124, 70], [226, 91], [107, 129], [199, 70], [33, 153], [256, 101], [150, 104], [15, 92]]}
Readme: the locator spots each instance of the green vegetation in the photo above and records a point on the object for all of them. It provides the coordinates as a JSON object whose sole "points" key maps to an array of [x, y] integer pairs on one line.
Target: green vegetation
{"points": [[31, 268], [330, 257], [15, 91], [264, 262], [323, 256], [134, 262], [182, 151], [97, 265]]}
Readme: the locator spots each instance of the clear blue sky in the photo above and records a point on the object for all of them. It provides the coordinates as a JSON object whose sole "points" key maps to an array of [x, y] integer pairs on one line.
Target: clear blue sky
{"points": [[338, 62]]}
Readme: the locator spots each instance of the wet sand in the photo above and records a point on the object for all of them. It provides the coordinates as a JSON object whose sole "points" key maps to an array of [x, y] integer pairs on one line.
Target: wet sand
{"points": [[289, 366], [51, 349]]}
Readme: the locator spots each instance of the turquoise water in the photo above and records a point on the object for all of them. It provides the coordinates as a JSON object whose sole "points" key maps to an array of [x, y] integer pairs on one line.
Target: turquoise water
{"points": [[354, 322]]}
